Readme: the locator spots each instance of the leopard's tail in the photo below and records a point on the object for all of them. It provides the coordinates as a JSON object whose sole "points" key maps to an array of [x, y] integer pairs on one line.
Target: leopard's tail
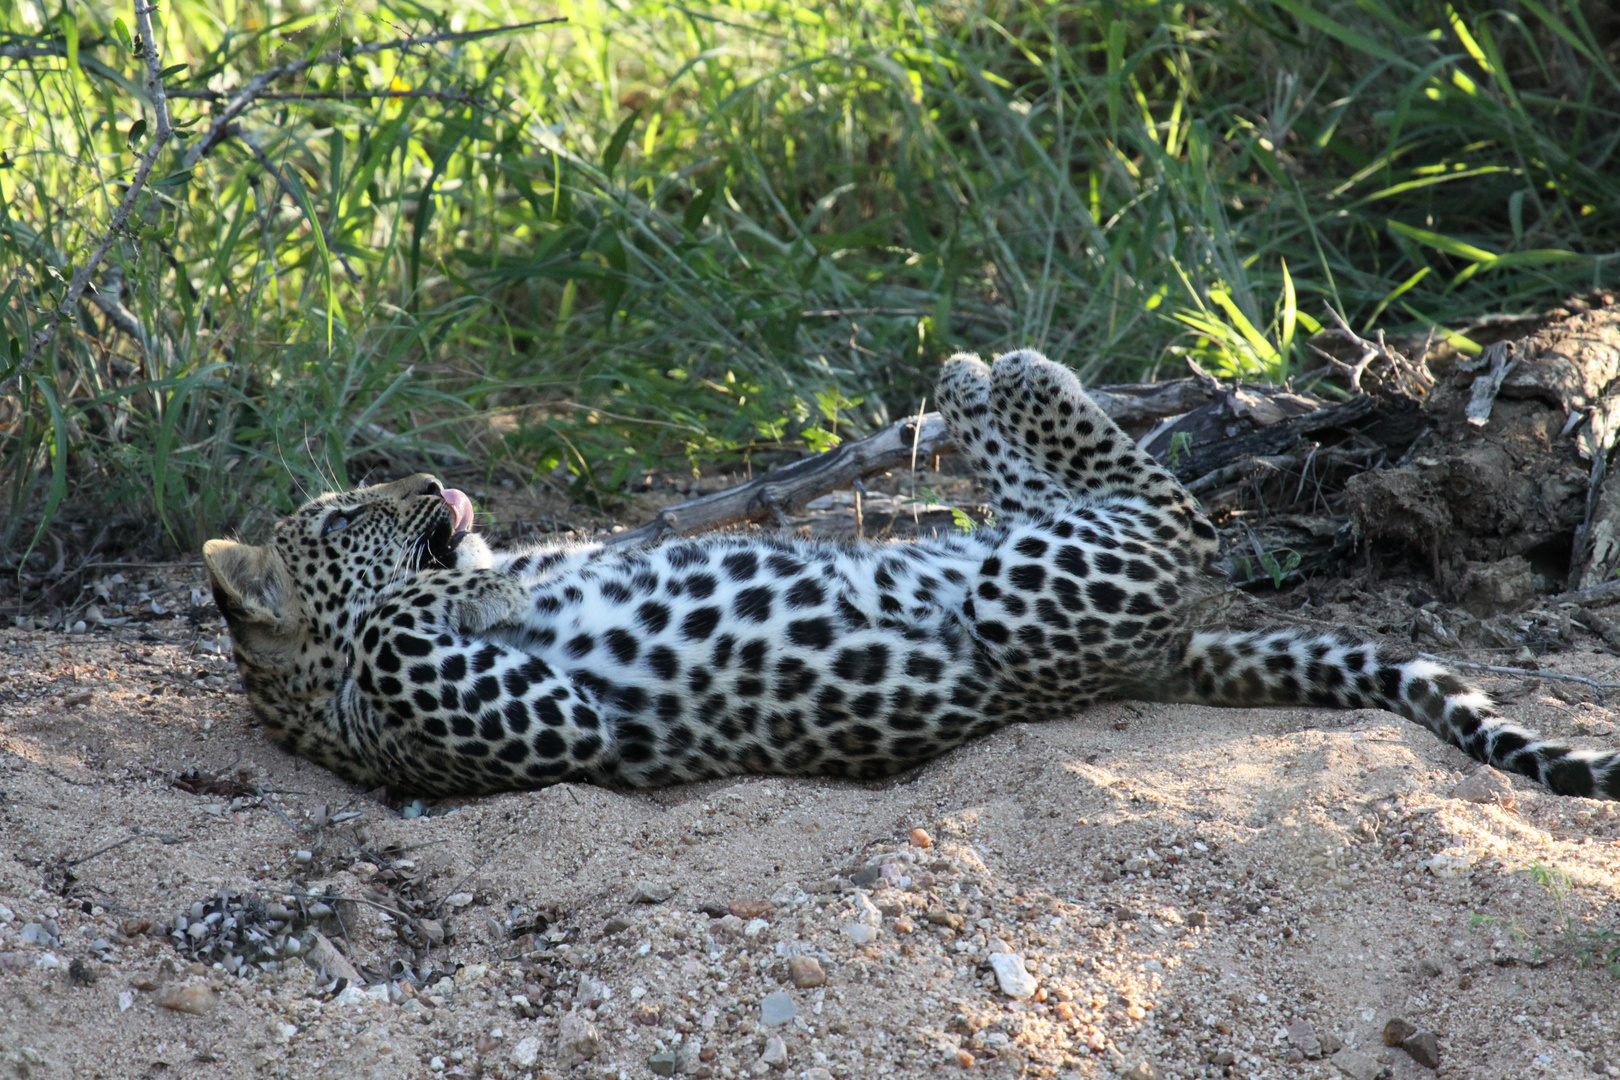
{"points": [[1297, 667]]}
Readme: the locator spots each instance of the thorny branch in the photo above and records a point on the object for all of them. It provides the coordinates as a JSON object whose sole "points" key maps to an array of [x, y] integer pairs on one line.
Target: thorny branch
{"points": [[256, 86], [144, 163], [223, 126]]}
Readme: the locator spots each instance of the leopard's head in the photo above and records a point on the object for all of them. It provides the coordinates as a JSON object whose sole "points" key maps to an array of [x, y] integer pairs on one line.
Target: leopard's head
{"points": [[290, 603]]}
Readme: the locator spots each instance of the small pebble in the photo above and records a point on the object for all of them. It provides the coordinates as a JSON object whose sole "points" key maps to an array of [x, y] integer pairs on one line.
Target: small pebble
{"points": [[662, 1063], [1302, 1037], [1356, 1065], [195, 998], [1142, 1070], [651, 892], [940, 917], [616, 925], [1484, 785], [526, 1052], [860, 933], [750, 909], [776, 1053], [1197, 920], [920, 838], [578, 1039], [1397, 1031], [777, 1007], [1424, 1048], [805, 971]]}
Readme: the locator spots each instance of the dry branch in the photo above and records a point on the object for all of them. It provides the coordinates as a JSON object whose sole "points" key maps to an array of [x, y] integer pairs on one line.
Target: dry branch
{"points": [[790, 487], [774, 495], [255, 87], [144, 163], [223, 126]]}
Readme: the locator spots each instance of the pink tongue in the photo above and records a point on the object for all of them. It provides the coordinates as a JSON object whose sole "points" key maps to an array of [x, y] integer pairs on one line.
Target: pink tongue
{"points": [[461, 508]]}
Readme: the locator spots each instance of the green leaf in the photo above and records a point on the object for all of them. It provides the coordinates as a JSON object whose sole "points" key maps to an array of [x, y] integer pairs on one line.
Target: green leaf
{"points": [[173, 69], [1257, 341], [615, 146], [1116, 65], [121, 32], [173, 179], [70, 38], [698, 208], [1352, 38], [1446, 244], [136, 131]]}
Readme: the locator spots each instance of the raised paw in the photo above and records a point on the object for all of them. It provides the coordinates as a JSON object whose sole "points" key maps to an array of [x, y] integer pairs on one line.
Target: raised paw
{"points": [[470, 601], [1014, 486]]}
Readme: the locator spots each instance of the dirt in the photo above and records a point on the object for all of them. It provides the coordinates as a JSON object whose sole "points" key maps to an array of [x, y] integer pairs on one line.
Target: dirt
{"points": [[1468, 495], [1191, 891]]}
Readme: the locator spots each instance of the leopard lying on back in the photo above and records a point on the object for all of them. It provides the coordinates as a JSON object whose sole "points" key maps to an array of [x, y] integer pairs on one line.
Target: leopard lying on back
{"points": [[377, 635]]}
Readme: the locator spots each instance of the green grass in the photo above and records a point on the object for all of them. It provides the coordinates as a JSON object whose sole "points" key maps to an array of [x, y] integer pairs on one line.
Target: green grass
{"points": [[667, 232]]}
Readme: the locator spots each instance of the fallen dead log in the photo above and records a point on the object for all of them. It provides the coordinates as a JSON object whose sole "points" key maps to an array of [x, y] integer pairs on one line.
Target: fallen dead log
{"points": [[1134, 406]]}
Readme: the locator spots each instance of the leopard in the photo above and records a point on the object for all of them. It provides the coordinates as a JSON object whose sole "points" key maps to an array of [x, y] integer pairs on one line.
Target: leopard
{"points": [[379, 634]]}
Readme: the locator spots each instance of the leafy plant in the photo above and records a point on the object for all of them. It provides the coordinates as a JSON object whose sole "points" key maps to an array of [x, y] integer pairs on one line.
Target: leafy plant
{"points": [[662, 231]]}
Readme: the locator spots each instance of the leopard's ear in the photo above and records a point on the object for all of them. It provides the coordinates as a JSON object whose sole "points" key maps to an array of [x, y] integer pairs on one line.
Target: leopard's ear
{"points": [[250, 585]]}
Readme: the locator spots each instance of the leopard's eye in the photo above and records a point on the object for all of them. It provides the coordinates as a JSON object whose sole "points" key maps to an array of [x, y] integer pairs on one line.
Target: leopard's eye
{"points": [[341, 519]]}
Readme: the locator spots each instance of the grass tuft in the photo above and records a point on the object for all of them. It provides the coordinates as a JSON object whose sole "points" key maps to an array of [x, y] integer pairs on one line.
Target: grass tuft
{"points": [[668, 232]]}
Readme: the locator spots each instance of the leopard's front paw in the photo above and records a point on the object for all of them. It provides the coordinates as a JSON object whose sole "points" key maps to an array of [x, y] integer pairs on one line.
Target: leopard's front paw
{"points": [[488, 599]]}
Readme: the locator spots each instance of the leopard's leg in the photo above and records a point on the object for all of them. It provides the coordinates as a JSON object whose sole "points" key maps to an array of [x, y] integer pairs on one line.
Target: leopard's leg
{"points": [[1040, 409], [1015, 487], [440, 704]]}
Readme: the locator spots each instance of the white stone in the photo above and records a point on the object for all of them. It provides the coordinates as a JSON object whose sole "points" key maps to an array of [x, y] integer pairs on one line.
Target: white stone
{"points": [[526, 1052], [592, 993], [777, 1007], [1015, 981], [860, 933], [1449, 864]]}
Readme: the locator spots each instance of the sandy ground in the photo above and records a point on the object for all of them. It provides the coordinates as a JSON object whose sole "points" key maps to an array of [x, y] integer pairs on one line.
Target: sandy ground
{"points": [[1189, 892]]}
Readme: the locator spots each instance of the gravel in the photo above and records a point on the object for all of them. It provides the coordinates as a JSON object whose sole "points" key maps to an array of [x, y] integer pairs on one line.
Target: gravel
{"points": [[1286, 873]]}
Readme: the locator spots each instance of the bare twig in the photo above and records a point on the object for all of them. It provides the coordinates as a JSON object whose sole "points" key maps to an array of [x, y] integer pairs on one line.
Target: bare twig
{"points": [[255, 87], [791, 486], [1408, 377], [1530, 673], [1606, 592], [144, 163], [457, 97]]}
